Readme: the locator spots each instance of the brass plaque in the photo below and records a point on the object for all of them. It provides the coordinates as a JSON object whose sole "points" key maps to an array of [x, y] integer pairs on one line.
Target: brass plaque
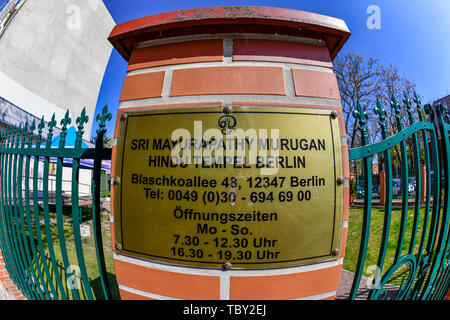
{"points": [[252, 186]]}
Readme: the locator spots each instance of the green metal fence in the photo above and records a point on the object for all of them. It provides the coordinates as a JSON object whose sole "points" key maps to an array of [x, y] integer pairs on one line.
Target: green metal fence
{"points": [[34, 239], [44, 264], [423, 264]]}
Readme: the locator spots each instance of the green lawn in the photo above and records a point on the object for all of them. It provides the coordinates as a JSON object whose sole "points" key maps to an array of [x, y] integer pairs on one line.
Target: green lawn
{"points": [[376, 232], [88, 251]]}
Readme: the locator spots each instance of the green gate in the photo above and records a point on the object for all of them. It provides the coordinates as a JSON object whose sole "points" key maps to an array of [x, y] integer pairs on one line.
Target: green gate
{"points": [[34, 240], [424, 263], [33, 249]]}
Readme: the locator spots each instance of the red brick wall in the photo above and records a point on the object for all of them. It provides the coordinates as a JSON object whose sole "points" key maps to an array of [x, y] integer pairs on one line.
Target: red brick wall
{"points": [[241, 72], [7, 283]]}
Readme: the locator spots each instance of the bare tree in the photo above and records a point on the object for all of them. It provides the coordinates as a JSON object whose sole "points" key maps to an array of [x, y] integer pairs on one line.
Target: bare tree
{"points": [[357, 80], [391, 85], [366, 81]]}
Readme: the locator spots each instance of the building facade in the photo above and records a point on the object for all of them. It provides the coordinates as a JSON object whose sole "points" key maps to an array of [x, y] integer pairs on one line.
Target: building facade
{"points": [[53, 57], [445, 100]]}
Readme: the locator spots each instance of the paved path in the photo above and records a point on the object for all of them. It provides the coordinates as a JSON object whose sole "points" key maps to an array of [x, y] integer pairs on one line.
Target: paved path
{"points": [[4, 294], [342, 293], [346, 282]]}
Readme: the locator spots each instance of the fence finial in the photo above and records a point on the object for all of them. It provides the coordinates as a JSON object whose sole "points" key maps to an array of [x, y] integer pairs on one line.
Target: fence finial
{"points": [[81, 120], [17, 139], [445, 111], [13, 136], [441, 112], [440, 109], [31, 133], [428, 109], [397, 111], [381, 111], [444, 108], [8, 136], [102, 118], [406, 100], [362, 116], [416, 99], [408, 104], [41, 126], [32, 126], [419, 108], [65, 122], [396, 106], [5, 137], [24, 133], [51, 124]]}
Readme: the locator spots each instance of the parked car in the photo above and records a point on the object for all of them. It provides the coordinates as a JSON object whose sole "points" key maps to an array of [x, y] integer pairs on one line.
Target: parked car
{"points": [[442, 176], [375, 192], [412, 182], [396, 187], [360, 192], [412, 186]]}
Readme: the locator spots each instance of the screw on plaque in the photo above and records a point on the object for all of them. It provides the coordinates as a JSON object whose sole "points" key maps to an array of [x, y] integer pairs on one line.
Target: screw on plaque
{"points": [[118, 246], [124, 116], [227, 265], [227, 109], [116, 181], [340, 180], [336, 252], [333, 114]]}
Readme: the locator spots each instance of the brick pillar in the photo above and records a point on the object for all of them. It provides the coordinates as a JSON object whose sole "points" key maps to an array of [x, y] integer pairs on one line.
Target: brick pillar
{"points": [[423, 183], [251, 56], [382, 179], [3, 271], [7, 283], [351, 199]]}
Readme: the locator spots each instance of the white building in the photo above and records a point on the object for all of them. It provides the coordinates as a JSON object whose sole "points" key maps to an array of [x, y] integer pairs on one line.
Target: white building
{"points": [[53, 55]]}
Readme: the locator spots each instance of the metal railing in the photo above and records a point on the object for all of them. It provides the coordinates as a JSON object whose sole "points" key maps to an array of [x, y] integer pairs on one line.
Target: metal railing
{"points": [[5, 8], [28, 241], [10, 7], [29, 232], [420, 246]]}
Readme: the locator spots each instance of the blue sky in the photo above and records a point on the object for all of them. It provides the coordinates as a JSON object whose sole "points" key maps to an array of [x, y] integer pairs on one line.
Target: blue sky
{"points": [[414, 36]]}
